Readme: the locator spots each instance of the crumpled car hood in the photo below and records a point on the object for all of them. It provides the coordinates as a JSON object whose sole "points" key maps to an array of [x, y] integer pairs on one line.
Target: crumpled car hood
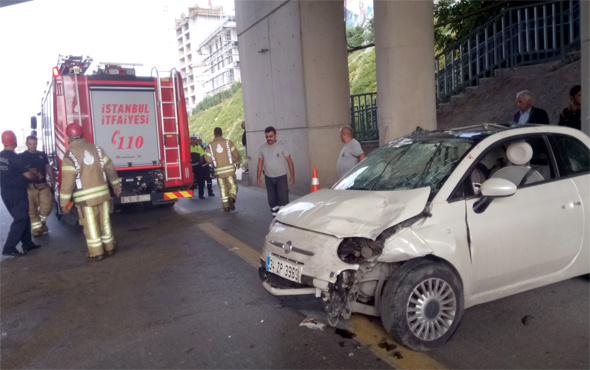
{"points": [[353, 213]]}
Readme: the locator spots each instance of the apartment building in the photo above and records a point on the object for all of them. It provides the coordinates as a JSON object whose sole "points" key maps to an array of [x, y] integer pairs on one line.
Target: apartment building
{"points": [[191, 30], [220, 66]]}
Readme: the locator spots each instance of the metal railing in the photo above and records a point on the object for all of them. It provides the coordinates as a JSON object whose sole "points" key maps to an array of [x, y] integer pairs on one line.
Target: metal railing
{"points": [[363, 116], [516, 37]]}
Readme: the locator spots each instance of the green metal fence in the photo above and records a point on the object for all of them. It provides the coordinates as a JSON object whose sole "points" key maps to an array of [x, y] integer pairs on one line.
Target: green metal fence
{"points": [[363, 116]]}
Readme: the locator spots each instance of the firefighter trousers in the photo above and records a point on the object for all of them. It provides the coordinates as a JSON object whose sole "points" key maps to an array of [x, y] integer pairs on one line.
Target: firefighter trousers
{"points": [[228, 187], [96, 221], [40, 203]]}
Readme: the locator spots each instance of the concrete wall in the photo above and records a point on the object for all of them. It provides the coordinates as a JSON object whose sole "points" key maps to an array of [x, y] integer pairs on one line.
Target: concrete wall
{"points": [[493, 100], [295, 78]]}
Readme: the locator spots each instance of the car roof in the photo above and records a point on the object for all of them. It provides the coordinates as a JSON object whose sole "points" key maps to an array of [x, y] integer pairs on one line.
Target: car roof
{"points": [[475, 132], [481, 131]]}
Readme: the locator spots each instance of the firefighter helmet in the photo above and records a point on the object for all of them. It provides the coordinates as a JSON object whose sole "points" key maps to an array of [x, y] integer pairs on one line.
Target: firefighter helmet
{"points": [[73, 129], [8, 138]]}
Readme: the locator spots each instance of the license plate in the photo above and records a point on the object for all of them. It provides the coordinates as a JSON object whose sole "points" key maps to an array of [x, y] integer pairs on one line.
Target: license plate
{"points": [[283, 268], [136, 198]]}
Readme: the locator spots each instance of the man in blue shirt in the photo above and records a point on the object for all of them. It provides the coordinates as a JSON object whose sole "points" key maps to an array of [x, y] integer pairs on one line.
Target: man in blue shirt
{"points": [[13, 190]]}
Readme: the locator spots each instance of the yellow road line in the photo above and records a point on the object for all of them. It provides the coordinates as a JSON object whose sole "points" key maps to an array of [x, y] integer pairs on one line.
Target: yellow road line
{"points": [[235, 245], [368, 331]]}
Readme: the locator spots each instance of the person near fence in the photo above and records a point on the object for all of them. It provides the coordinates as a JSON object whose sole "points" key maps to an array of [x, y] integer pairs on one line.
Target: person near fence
{"points": [[272, 156], [527, 113], [351, 152], [571, 116]]}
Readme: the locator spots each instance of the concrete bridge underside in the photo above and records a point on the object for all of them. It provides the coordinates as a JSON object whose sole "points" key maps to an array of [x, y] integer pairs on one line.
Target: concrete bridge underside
{"points": [[294, 64]]}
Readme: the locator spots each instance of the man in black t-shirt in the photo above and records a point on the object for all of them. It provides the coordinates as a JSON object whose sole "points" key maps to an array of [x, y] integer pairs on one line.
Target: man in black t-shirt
{"points": [[13, 190], [572, 115], [38, 190]]}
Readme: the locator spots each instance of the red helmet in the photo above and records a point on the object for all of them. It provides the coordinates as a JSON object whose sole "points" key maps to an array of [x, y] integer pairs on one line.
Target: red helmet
{"points": [[73, 129], [8, 138]]}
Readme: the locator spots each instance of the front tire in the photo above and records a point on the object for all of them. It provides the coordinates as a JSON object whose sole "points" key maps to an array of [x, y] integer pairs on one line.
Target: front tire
{"points": [[422, 304]]}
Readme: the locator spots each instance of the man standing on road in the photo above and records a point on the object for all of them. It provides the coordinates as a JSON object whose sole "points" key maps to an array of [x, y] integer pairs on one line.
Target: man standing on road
{"points": [[197, 159], [271, 159], [351, 152], [85, 169], [13, 190], [39, 191], [225, 158]]}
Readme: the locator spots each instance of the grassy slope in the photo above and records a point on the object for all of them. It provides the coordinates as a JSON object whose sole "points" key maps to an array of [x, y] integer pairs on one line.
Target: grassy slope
{"points": [[361, 71], [230, 113]]}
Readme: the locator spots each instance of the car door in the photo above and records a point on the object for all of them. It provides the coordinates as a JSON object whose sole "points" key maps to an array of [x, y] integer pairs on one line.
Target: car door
{"points": [[527, 236]]}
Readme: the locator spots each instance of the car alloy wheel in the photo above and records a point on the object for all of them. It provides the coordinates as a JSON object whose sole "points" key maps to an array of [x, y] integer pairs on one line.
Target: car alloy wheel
{"points": [[431, 309], [421, 304]]}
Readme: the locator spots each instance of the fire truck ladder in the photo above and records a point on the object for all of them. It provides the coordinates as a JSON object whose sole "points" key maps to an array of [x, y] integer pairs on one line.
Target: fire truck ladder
{"points": [[168, 107]]}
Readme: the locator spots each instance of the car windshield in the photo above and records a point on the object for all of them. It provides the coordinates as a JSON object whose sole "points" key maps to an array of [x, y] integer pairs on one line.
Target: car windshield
{"points": [[408, 163]]}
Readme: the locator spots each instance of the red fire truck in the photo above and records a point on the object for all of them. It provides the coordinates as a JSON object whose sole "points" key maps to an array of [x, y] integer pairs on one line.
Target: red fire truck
{"points": [[140, 122]]}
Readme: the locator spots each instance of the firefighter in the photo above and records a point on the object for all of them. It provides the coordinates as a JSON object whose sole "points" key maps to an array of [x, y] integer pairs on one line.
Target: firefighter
{"points": [[225, 159], [13, 190], [39, 191], [197, 160], [85, 170]]}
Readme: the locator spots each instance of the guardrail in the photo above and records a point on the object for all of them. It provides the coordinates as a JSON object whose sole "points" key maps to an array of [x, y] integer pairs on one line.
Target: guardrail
{"points": [[518, 36], [363, 115]]}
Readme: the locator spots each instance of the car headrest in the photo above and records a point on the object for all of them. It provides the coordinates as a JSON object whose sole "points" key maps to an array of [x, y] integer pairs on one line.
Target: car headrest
{"points": [[519, 153]]}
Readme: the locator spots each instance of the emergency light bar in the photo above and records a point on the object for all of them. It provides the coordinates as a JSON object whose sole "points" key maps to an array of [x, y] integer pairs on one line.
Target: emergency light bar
{"points": [[119, 69]]}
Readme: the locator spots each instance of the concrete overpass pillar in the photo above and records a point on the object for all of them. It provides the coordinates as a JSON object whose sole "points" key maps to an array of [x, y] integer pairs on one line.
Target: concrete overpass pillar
{"points": [[295, 78], [404, 54], [585, 41]]}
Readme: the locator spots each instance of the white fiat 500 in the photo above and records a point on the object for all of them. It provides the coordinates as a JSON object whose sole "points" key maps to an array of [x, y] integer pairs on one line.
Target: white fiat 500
{"points": [[435, 222]]}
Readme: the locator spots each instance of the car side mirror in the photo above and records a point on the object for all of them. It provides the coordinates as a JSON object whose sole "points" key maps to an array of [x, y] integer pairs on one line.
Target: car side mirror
{"points": [[493, 188], [497, 187]]}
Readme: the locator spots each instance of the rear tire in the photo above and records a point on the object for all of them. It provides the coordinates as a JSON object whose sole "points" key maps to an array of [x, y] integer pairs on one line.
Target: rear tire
{"points": [[422, 305]]}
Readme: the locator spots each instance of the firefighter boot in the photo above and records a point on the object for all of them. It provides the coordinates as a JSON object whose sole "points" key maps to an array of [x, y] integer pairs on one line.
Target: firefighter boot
{"points": [[44, 227]]}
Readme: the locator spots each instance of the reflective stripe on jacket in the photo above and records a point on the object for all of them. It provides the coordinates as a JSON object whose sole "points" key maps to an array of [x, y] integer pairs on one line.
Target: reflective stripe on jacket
{"points": [[84, 172], [223, 154]]}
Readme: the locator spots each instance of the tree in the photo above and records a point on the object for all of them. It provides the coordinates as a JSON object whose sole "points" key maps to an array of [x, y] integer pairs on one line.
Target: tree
{"points": [[361, 35], [455, 19]]}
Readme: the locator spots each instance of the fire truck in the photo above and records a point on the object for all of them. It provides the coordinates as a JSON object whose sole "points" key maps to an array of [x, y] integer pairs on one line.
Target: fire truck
{"points": [[140, 122]]}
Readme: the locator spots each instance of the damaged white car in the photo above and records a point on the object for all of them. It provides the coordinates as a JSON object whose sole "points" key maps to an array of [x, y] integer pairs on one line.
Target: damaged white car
{"points": [[436, 222]]}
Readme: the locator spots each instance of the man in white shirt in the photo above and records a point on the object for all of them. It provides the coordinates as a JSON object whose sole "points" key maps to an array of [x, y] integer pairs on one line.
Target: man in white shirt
{"points": [[351, 152]]}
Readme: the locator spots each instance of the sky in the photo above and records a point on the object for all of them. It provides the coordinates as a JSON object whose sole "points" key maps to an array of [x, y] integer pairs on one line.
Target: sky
{"points": [[35, 33]]}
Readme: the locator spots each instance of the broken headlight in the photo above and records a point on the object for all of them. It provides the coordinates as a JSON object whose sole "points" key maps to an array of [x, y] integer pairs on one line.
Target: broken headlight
{"points": [[356, 250]]}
